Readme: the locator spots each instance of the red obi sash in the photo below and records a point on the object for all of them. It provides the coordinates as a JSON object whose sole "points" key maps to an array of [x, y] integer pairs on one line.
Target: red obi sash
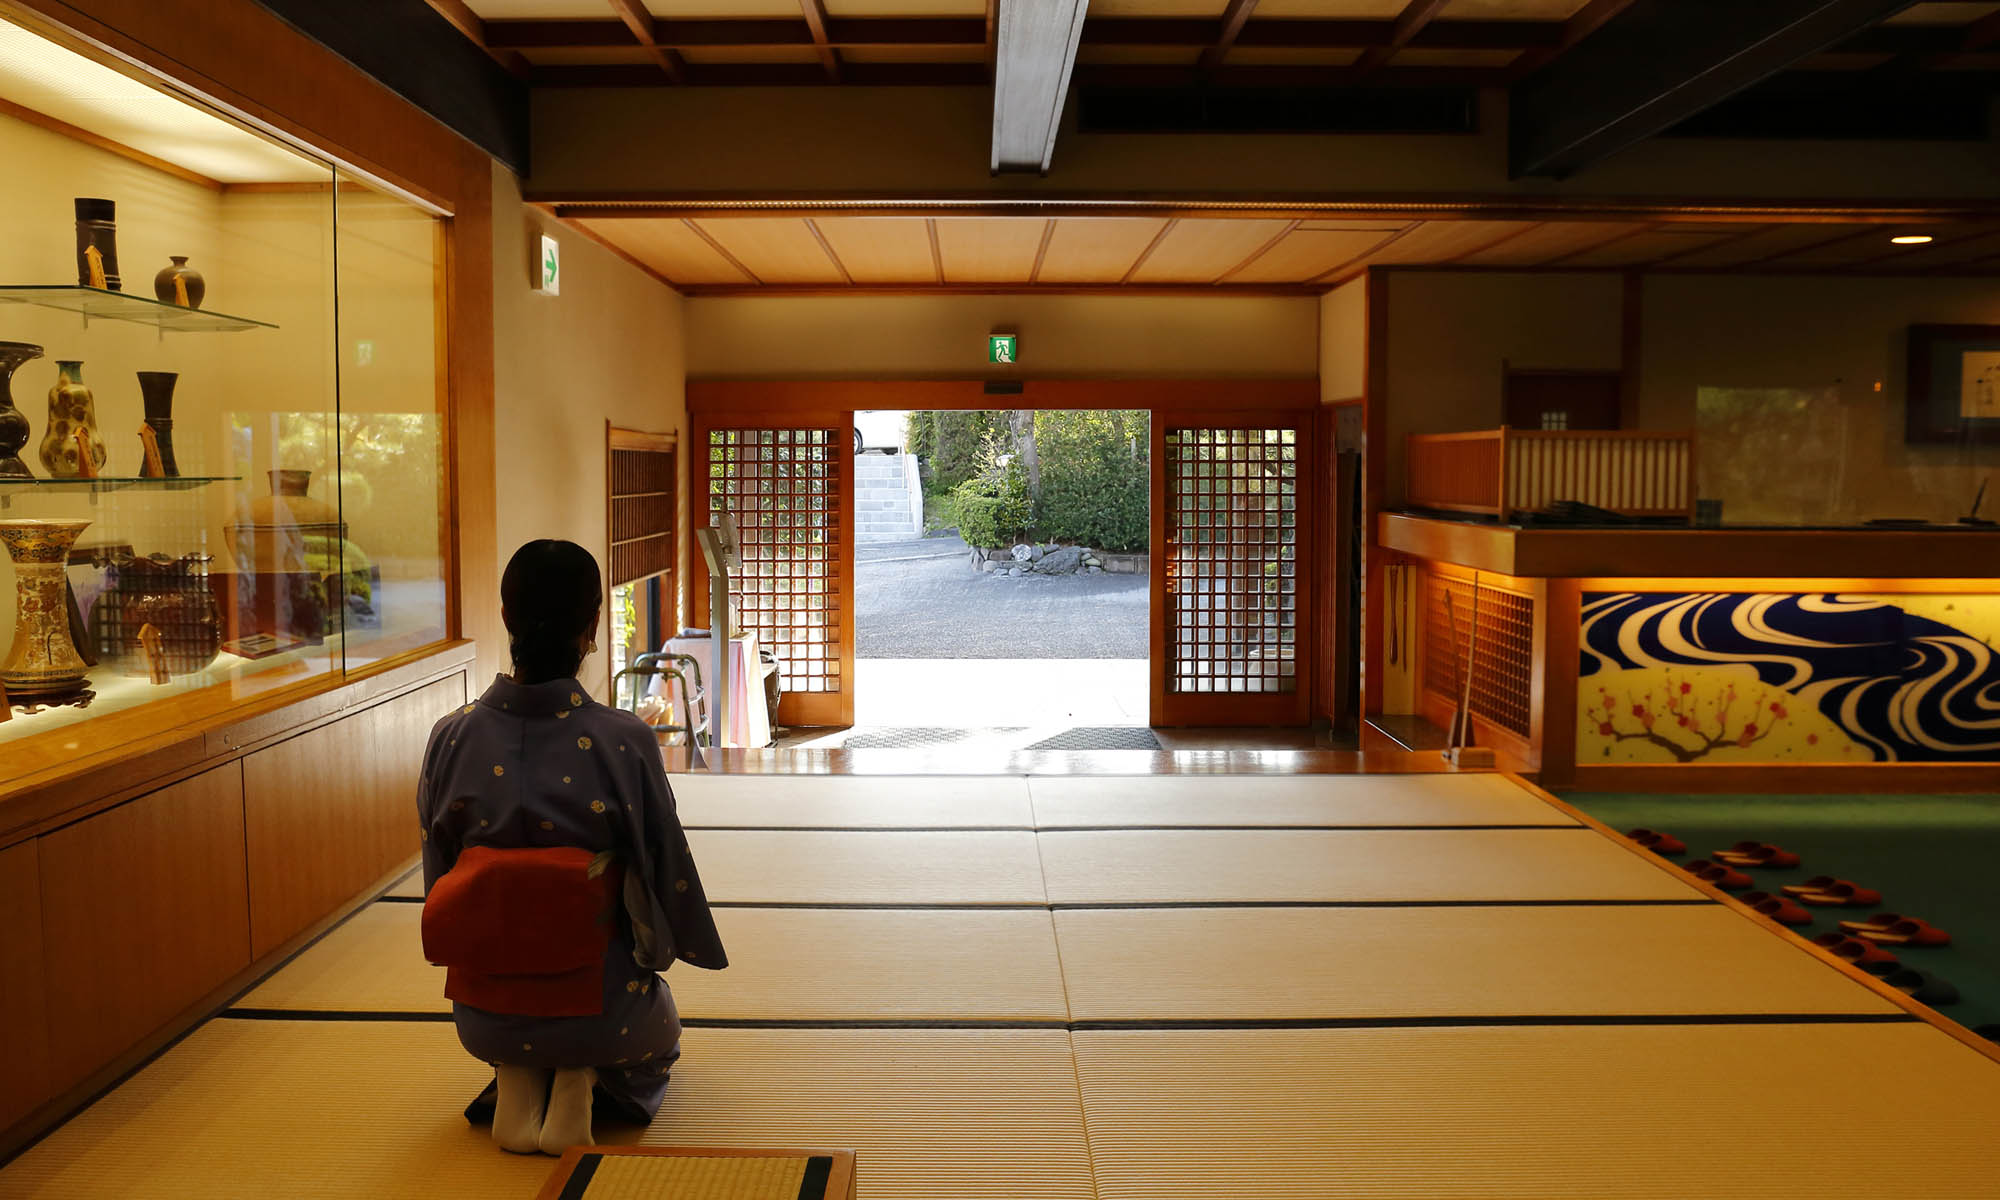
{"points": [[523, 932]]}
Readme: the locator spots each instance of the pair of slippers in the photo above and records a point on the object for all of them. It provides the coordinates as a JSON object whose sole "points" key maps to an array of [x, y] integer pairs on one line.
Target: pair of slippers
{"points": [[1756, 854], [1778, 908], [1827, 891], [1729, 879], [1918, 985], [1895, 929], [1657, 842], [1854, 950]]}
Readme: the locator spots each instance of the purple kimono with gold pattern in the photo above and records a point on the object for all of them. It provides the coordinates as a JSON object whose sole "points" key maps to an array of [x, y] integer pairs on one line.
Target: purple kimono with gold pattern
{"points": [[545, 765]]}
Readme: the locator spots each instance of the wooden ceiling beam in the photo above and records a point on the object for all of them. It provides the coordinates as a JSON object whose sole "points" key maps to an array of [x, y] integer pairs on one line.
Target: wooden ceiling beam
{"points": [[1970, 39], [1415, 15], [1580, 25], [1037, 41], [473, 27], [829, 58], [1233, 20], [645, 29], [1658, 63]]}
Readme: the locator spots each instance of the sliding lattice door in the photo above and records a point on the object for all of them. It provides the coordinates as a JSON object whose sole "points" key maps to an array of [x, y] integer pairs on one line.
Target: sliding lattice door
{"points": [[787, 488], [1232, 519]]}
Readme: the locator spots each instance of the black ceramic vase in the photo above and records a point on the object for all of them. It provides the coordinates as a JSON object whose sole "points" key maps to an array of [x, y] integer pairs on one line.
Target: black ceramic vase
{"points": [[97, 229], [13, 422], [180, 284], [156, 390]]}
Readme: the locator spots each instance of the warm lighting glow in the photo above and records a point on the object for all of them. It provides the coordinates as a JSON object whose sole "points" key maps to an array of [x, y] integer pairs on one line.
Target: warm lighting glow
{"points": [[1912, 239]]}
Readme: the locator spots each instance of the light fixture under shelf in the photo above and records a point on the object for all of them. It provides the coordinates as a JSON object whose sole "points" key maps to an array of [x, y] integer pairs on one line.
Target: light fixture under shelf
{"points": [[105, 305], [1912, 239]]}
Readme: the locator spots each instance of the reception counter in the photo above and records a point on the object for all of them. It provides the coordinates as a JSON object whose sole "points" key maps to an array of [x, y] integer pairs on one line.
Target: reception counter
{"points": [[1654, 657]]}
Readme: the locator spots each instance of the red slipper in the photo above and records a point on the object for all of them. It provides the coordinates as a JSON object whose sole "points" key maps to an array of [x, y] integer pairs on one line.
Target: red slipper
{"points": [[1784, 912], [1811, 885], [1842, 894], [1879, 921], [1723, 877], [1853, 950], [1657, 842], [1907, 932], [1756, 854]]}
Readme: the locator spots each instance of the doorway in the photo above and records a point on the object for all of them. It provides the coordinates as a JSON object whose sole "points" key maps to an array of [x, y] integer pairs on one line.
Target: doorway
{"points": [[1231, 531]]}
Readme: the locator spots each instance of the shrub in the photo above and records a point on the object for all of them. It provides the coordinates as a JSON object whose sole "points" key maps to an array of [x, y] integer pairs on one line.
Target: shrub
{"points": [[951, 446], [1096, 486], [991, 509]]}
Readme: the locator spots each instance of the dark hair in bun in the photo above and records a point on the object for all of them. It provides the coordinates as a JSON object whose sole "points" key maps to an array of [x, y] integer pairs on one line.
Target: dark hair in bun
{"points": [[551, 593]]}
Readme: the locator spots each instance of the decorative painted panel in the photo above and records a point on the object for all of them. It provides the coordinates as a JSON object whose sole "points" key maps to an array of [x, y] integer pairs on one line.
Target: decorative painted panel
{"points": [[1747, 677]]}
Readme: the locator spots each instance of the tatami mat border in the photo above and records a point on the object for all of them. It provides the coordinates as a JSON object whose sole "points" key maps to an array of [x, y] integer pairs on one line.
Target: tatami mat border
{"points": [[1058, 829], [1085, 905]]}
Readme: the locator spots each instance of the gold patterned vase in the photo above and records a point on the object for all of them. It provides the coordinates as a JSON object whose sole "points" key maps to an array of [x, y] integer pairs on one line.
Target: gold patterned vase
{"points": [[43, 664], [71, 408]]}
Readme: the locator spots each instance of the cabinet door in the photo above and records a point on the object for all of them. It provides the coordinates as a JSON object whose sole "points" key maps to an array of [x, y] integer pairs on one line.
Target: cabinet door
{"points": [[144, 913], [24, 1068], [328, 812]]}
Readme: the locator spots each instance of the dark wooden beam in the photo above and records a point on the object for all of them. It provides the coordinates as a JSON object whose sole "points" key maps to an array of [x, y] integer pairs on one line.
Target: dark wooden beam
{"points": [[1415, 15], [829, 58], [473, 27], [645, 29], [1581, 24], [1967, 39], [1659, 62], [1233, 20], [1037, 51]]}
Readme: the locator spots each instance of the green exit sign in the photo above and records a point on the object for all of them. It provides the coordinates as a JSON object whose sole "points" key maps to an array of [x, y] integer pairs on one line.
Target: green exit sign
{"points": [[1000, 348]]}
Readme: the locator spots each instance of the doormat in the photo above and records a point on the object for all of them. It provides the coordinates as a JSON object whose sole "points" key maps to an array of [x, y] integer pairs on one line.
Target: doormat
{"points": [[669, 1173], [1114, 737]]}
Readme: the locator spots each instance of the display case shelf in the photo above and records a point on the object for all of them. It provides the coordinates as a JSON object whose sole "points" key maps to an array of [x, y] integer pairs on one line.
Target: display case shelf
{"points": [[108, 483], [105, 305]]}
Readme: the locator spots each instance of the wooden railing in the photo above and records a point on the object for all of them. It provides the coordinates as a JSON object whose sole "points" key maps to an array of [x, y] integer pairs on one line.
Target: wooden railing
{"points": [[1504, 471]]}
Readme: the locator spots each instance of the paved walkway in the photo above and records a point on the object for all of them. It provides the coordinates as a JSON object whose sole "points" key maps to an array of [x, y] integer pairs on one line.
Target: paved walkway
{"points": [[910, 604]]}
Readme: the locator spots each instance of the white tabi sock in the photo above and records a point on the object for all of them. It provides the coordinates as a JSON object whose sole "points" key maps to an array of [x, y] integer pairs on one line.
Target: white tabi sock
{"points": [[517, 1117], [568, 1120]]}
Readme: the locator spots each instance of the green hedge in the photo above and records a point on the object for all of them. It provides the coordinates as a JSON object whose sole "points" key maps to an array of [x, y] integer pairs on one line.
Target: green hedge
{"points": [[1096, 485], [992, 508], [951, 445]]}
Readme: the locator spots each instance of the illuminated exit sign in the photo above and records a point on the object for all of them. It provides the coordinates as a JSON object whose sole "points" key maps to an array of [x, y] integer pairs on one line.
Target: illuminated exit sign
{"points": [[1000, 348]]}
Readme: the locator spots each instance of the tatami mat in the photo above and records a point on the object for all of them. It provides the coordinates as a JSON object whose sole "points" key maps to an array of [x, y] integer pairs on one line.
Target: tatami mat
{"points": [[848, 867], [409, 885], [1065, 801], [852, 801], [1867, 1112], [324, 1110], [1350, 866], [1420, 962], [785, 964]]}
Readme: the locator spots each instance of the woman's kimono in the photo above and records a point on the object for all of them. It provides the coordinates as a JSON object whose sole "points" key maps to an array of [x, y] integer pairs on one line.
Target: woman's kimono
{"points": [[545, 765]]}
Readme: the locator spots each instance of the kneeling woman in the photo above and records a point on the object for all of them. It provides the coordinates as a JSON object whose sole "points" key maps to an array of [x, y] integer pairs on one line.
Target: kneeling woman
{"points": [[556, 875]]}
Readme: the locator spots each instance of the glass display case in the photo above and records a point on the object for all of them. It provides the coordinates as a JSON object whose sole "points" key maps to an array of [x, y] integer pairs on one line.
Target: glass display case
{"points": [[221, 402]]}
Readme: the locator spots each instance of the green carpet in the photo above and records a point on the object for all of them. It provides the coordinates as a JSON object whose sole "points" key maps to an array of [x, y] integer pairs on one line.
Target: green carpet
{"points": [[1934, 857]]}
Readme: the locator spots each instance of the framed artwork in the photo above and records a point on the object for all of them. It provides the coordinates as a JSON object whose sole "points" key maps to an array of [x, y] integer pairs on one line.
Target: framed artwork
{"points": [[1954, 392]]}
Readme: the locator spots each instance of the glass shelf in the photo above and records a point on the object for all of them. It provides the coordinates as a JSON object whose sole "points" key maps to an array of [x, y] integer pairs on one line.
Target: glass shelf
{"points": [[123, 306], [111, 483]]}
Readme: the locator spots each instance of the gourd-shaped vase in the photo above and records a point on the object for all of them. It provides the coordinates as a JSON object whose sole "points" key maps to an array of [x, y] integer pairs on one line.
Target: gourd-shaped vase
{"points": [[71, 407], [14, 430], [43, 664]]}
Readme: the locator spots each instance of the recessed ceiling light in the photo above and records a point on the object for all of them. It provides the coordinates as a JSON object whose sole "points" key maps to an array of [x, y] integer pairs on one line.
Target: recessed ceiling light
{"points": [[1912, 239]]}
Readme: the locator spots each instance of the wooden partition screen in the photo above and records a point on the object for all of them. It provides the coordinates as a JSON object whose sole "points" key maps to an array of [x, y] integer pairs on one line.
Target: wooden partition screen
{"points": [[786, 486], [1506, 471], [1232, 513], [1503, 669]]}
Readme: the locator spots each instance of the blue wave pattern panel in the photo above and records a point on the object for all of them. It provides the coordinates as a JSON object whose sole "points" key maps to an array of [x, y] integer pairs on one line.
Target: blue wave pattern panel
{"points": [[1909, 688]]}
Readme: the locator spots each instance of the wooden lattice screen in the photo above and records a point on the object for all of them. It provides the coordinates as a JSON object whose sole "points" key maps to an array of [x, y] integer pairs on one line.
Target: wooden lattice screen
{"points": [[780, 485], [1502, 674], [1233, 560], [644, 487]]}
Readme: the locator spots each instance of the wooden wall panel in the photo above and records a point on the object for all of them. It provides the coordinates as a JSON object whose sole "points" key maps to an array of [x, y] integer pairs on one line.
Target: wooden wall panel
{"points": [[24, 1068], [143, 913], [328, 812]]}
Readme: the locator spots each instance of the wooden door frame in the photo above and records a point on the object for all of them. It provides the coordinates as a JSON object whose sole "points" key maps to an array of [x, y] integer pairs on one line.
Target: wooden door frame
{"points": [[1211, 403], [810, 709]]}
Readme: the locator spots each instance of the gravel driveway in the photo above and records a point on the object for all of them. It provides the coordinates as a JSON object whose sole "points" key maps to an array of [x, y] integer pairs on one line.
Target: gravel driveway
{"points": [[912, 606]]}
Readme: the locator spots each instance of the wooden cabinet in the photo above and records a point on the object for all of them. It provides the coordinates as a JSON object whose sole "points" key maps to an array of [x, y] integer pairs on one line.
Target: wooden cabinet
{"points": [[143, 914], [328, 812], [24, 1066]]}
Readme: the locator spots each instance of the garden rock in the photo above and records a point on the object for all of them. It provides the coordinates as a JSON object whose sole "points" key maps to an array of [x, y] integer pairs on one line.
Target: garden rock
{"points": [[1026, 553], [1064, 560]]}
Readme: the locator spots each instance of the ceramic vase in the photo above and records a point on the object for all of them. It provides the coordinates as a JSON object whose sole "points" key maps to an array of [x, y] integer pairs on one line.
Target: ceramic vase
{"points": [[170, 594], [71, 407], [97, 230], [14, 430], [180, 284], [43, 664], [156, 391]]}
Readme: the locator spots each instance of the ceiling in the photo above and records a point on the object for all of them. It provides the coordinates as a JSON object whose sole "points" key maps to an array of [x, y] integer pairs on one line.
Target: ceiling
{"points": [[826, 251], [1123, 42]]}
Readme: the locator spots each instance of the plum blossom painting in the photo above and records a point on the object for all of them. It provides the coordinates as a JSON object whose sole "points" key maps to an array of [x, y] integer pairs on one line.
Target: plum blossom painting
{"points": [[1759, 677]]}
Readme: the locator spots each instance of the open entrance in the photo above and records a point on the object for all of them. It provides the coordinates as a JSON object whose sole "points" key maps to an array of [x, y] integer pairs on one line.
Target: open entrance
{"points": [[1102, 564]]}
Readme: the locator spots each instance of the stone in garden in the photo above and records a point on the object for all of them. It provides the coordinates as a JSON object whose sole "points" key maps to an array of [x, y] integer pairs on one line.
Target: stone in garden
{"points": [[1061, 561], [1025, 553]]}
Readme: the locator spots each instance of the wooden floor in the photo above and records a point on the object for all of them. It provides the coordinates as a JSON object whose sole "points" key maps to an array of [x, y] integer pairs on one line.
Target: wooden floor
{"points": [[1257, 974]]}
